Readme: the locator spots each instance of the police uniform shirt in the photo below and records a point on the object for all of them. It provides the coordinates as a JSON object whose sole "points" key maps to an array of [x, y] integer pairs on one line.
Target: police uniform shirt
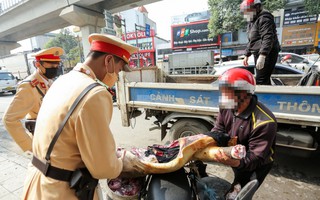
{"points": [[25, 104]]}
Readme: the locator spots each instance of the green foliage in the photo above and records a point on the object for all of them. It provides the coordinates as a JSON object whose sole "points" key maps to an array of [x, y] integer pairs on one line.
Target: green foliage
{"points": [[273, 5], [226, 16], [312, 6], [70, 44]]}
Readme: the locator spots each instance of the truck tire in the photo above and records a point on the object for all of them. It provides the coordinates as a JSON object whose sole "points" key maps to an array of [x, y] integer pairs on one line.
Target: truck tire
{"points": [[187, 127]]}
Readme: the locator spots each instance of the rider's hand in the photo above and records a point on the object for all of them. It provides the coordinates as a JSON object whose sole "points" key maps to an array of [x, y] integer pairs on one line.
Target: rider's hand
{"points": [[123, 154], [221, 157], [260, 62], [245, 61]]}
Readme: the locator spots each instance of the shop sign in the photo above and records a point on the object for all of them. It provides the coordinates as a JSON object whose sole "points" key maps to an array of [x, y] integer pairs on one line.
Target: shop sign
{"points": [[298, 16], [140, 34], [192, 35], [299, 35]]}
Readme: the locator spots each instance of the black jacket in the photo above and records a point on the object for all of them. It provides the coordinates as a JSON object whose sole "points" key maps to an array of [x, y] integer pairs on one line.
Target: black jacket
{"points": [[255, 128], [262, 34]]}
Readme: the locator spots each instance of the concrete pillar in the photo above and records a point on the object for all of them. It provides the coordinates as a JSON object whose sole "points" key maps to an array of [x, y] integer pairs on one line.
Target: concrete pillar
{"points": [[6, 47], [89, 22], [85, 32]]}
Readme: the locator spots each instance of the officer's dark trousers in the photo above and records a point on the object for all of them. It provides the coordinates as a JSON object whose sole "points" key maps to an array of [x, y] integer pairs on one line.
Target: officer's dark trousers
{"points": [[263, 75], [243, 177]]}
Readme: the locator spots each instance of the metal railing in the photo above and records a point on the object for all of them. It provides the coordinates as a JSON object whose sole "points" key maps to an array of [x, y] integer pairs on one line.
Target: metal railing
{"points": [[6, 5], [191, 70]]}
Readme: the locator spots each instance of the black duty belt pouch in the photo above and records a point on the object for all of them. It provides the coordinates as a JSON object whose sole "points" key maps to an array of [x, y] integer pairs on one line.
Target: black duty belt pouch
{"points": [[30, 124], [83, 184], [81, 180]]}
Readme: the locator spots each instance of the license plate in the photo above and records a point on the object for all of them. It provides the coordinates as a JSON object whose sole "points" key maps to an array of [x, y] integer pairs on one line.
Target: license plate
{"points": [[9, 88]]}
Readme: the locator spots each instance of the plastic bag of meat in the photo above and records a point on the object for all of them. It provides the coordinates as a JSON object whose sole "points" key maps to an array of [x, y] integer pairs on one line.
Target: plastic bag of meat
{"points": [[124, 188], [141, 162]]}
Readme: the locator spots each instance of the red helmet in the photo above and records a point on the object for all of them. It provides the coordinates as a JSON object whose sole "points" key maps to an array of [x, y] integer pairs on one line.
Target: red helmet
{"points": [[286, 57], [246, 4], [238, 79]]}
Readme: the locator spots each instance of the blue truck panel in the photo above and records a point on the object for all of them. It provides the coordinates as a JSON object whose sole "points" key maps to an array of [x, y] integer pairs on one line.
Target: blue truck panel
{"points": [[302, 104]]}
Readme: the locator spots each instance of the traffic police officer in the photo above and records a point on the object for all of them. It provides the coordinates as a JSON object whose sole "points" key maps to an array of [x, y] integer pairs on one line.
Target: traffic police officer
{"points": [[30, 92], [86, 139]]}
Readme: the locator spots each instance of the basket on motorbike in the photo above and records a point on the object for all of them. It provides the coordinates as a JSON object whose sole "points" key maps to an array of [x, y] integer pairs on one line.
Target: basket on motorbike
{"points": [[124, 188]]}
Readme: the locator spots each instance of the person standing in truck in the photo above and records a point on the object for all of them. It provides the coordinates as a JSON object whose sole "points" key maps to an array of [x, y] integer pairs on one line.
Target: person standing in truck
{"points": [[241, 115], [30, 92], [263, 41]]}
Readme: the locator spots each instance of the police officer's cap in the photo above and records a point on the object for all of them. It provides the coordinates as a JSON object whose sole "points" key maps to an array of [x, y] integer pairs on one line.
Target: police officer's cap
{"points": [[49, 55], [112, 45]]}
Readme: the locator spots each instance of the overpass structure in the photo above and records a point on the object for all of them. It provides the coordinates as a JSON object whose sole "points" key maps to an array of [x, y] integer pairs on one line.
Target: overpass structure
{"points": [[22, 19]]}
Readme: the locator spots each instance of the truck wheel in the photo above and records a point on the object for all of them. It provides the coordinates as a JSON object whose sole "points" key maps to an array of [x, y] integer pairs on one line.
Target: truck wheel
{"points": [[187, 127], [14, 92]]}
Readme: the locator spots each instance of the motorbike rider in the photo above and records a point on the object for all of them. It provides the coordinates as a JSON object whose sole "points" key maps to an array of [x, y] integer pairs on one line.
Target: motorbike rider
{"points": [[241, 115], [263, 41]]}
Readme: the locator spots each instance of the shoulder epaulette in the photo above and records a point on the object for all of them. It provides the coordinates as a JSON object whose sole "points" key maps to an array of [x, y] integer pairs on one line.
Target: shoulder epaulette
{"points": [[34, 82]]}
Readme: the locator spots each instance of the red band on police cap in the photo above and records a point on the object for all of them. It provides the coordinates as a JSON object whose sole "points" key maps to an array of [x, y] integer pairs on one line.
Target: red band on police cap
{"points": [[109, 48], [47, 56]]}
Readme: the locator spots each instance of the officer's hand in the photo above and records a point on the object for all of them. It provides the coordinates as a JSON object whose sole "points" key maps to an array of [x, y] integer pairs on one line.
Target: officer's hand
{"points": [[245, 61], [221, 157], [260, 62]]}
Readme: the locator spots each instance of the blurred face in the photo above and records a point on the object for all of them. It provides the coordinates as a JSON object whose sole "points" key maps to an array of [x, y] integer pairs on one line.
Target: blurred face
{"points": [[227, 100], [249, 14], [231, 99]]}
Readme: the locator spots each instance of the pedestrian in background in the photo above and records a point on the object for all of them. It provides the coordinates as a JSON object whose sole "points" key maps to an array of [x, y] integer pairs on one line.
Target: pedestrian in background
{"points": [[263, 40], [28, 99], [86, 142]]}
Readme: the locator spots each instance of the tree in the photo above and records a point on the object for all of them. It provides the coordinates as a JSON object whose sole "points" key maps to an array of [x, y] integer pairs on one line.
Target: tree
{"points": [[70, 44], [226, 16], [312, 6]]}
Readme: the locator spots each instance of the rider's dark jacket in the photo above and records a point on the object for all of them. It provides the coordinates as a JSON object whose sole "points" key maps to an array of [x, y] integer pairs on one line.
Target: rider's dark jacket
{"points": [[255, 128]]}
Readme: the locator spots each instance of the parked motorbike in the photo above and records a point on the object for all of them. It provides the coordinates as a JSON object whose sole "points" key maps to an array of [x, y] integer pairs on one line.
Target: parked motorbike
{"points": [[190, 183]]}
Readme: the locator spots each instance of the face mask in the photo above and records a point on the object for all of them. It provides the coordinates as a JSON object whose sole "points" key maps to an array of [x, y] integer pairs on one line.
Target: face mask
{"points": [[226, 103], [51, 72], [110, 78]]}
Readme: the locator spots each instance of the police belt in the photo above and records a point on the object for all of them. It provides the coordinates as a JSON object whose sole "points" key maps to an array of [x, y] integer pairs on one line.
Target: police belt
{"points": [[51, 171], [45, 167]]}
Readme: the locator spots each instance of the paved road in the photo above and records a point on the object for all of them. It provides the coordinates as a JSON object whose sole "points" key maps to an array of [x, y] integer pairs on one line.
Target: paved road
{"points": [[291, 178]]}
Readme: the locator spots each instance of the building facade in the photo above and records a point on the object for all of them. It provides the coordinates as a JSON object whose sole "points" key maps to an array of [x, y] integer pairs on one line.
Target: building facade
{"points": [[135, 34], [300, 30], [297, 32]]}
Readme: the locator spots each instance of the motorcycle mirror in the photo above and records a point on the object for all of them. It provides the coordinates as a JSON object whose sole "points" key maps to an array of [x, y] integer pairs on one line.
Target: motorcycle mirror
{"points": [[247, 192]]}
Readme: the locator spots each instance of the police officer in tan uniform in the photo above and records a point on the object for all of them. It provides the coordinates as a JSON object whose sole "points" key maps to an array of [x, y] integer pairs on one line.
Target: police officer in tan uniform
{"points": [[30, 92], [86, 139]]}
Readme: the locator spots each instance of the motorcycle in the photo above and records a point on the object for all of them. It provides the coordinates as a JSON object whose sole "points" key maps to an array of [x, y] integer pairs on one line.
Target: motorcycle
{"points": [[176, 171], [190, 183]]}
